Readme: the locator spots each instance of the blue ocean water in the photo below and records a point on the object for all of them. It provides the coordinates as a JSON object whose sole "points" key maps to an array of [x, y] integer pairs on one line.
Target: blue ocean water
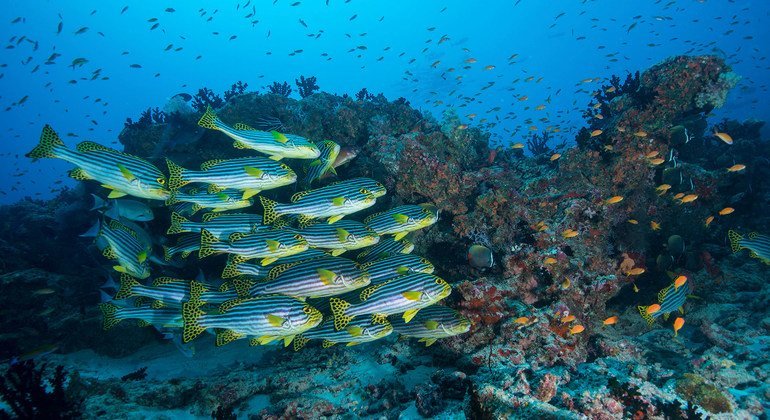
{"points": [[441, 263]]}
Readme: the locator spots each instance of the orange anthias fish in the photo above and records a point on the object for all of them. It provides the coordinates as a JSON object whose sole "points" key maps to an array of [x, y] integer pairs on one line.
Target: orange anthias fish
{"points": [[724, 137], [577, 329], [549, 260], [521, 320], [517, 146], [736, 168], [652, 309], [654, 225], [657, 161], [689, 198], [709, 220], [614, 200], [555, 156], [596, 133], [611, 320], [679, 282], [635, 271], [567, 319], [569, 233], [678, 323], [725, 211]]}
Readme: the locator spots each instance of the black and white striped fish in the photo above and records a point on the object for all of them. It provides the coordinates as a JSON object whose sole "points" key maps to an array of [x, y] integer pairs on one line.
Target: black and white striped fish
{"points": [[268, 245], [316, 278], [124, 245], [757, 244], [670, 299], [319, 167], [397, 265], [401, 220], [221, 225], [167, 317], [216, 201], [387, 247], [121, 173], [342, 236], [272, 143], [333, 201], [362, 330], [266, 318], [432, 323], [250, 175], [235, 267], [185, 245], [405, 294]]}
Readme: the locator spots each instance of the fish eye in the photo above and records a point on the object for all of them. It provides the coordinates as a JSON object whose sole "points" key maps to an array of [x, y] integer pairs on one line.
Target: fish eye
{"points": [[161, 180], [307, 310], [298, 237], [364, 191]]}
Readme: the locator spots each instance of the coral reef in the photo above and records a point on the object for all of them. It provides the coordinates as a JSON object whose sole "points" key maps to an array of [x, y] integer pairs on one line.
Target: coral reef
{"points": [[577, 242], [306, 87], [30, 395]]}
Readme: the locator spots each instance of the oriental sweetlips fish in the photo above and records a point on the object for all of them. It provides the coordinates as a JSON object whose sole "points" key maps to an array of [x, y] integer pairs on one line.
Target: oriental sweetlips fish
{"points": [[333, 201], [272, 143], [432, 323], [119, 172], [221, 225], [121, 243], [215, 200], [268, 245], [250, 175], [325, 163], [342, 236], [670, 299], [401, 220], [359, 331], [757, 244]]}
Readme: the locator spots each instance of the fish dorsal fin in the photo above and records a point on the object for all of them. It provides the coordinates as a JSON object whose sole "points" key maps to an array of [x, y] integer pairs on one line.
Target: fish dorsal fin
{"points": [[236, 236], [90, 146], [230, 304], [109, 253], [205, 166], [662, 294], [242, 286], [371, 217], [211, 216], [115, 225], [278, 269], [304, 221], [279, 137], [160, 281], [367, 293], [297, 196], [242, 126]]}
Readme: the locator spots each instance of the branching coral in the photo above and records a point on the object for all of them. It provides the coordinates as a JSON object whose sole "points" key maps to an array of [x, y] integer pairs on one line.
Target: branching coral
{"points": [[206, 97], [306, 86], [32, 396], [280, 89], [238, 88]]}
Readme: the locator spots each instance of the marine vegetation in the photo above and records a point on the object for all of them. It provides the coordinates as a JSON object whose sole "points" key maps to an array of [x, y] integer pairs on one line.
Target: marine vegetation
{"points": [[32, 392]]}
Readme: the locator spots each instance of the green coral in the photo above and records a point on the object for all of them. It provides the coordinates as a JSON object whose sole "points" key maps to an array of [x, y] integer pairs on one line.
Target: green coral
{"points": [[695, 388]]}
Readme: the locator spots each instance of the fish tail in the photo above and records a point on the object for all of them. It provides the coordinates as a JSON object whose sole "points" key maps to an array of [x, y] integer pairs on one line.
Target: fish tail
{"points": [[167, 253], [175, 176], [127, 284], [231, 267], [207, 239], [49, 142], [191, 313], [299, 342], [339, 307], [647, 317], [176, 224], [735, 240], [110, 312], [99, 203], [270, 214], [209, 119]]}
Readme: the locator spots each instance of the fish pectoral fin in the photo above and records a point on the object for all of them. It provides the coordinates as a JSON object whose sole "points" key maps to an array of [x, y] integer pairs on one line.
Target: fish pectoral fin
{"points": [[126, 173], [429, 341], [276, 157], [142, 257], [335, 218], [119, 269], [250, 193], [269, 260], [252, 171], [338, 252], [355, 331], [326, 276], [116, 194], [408, 315], [275, 320], [412, 295], [287, 340], [399, 236], [431, 325]]}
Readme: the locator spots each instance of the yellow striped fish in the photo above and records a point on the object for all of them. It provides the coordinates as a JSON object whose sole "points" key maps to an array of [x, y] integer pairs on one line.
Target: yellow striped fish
{"points": [[216, 201], [359, 331], [268, 245], [757, 244], [272, 143], [319, 167], [401, 220], [432, 323], [119, 172], [121, 243]]}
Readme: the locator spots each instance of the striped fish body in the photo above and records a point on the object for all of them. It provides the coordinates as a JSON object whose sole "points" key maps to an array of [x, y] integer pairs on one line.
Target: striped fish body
{"points": [[398, 265], [166, 291], [387, 247], [185, 245], [318, 167], [249, 175], [406, 294], [321, 277], [339, 237], [757, 244], [235, 268], [125, 246], [272, 143], [371, 186], [671, 299], [265, 317], [113, 314], [333, 201], [401, 220], [432, 323], [268, 245], [221, 225], [363, 330], [217, 201], [122, 173]]}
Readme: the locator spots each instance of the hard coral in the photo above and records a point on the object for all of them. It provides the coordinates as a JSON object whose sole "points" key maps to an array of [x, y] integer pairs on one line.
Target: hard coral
{"points": [[32, 396], [306, 86]]}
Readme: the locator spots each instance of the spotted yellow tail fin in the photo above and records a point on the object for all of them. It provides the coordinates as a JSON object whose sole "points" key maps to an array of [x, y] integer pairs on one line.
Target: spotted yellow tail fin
{"points": [[735, 240], [176, 224], [110, 311], [647, 317], [339, 306], [191, 313], [175, 176], [269, 214], [127, 284], [209, 119], [49, 142]]}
